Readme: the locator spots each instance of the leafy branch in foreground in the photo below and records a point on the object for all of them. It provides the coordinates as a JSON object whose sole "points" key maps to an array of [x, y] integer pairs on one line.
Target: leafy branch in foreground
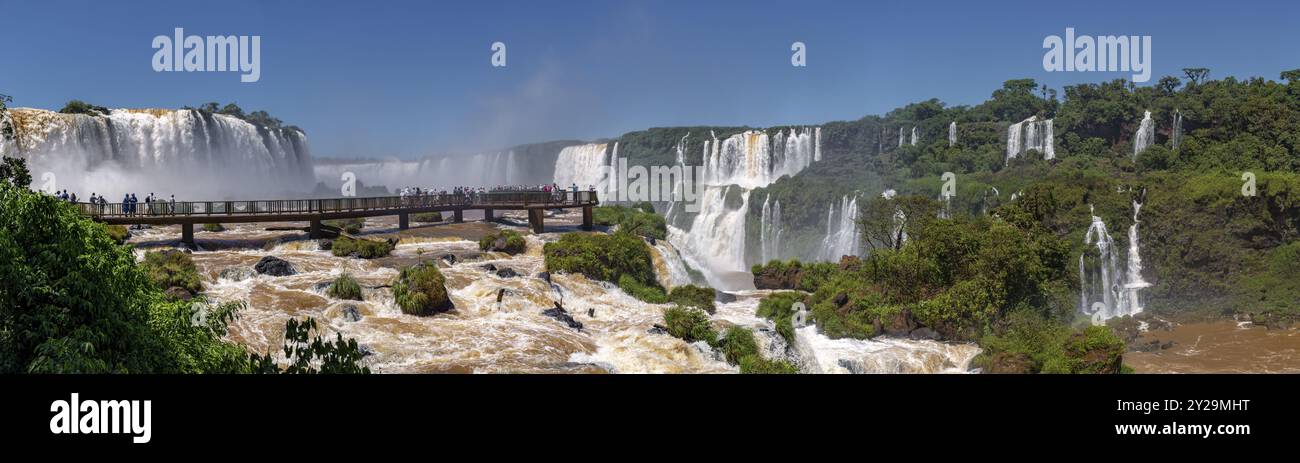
{"points": [[312, 355]]}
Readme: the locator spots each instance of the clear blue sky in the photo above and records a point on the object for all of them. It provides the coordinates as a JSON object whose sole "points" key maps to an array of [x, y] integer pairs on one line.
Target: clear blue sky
{"points": [[408, 79]]}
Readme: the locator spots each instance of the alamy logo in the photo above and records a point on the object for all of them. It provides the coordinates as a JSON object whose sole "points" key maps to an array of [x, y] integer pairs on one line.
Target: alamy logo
{"points": [[102, 417], [214, 53], [1103, 53], [636, 183]]}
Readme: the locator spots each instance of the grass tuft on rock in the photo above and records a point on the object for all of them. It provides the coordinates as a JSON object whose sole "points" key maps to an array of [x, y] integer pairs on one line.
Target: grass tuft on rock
{"points": [[421, 290], [344, 287]]}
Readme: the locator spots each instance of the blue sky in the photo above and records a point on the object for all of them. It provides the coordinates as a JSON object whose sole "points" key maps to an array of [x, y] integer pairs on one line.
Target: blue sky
{"points": [[407, 79]]}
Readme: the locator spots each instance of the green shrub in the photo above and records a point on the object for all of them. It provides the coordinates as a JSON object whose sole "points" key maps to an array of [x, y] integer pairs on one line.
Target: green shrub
{"points": [[507, 241], [167, 269], [421, 290], [640, 221], [365, 249], [213, 227], [118, 233], [693, 296], [350, 226], [344, 287], [427, 217], [690, 325], [81, 107], [620, 258], [738, 343], [756, 365], [778, 307]]}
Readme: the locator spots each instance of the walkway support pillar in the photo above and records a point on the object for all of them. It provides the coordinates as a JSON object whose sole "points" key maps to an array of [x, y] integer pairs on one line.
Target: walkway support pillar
{"points": [[488, 215], [459, 216], [403, 221], [586, 218], [535, 219], [187, 234], [314, 231]]}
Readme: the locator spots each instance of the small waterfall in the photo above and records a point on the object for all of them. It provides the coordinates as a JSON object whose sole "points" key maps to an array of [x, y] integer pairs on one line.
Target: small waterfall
{"points": [[1177, 135], [821, 354], [1106, 292], [952, 134], [841, 230], [483, 169], [1146, 133], [185, 152], [670, 269], [770, 230], [670, 215], [902, 137], [1031, 134], [915, 137]]}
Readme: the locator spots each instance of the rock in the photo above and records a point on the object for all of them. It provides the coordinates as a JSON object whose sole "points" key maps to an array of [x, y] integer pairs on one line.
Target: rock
{"points": [[924, 333], [178, 293], [563, 316], [489, 267], [274, 266], [657, 329], [1166, 345], [501, 294], [591, 313], [1009, 363], [507, 273], [723, 297], [366, 350], [236, 274], [450, 259], [901, 324], [708, 351], [321, 286], [653, 242], [325, 245], [545, 276], [350, 313], [854, 366], [840, 299]]}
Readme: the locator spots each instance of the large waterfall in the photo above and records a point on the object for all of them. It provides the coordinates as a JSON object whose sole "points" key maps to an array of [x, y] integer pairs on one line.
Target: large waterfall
{"points": [[489, 169], [187, 153], [1146, 133], [714, 242], [1031, 134], [586, 166], [1106, 292], [841, 230]]}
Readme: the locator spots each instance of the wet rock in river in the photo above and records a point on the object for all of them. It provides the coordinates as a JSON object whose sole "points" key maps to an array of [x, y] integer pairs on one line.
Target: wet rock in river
{"points": [[563, 316], [351, 313], [274, 266], [507, 273]]}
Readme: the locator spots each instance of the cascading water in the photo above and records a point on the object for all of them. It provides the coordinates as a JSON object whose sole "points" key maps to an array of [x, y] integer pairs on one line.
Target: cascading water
{"points": [[714, 242], [952, 133], [670, 269], [585, 166], [1146, 133], [191, 154], [1177, 135], [770, 230], [841, 230], [915, 137], [1106, 292], [1031, 134], [901, 137]]}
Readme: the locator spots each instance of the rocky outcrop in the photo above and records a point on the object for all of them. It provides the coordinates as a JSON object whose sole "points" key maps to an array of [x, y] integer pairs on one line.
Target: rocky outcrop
{"points": [[562, 316], [274, 266], [507, 273]]}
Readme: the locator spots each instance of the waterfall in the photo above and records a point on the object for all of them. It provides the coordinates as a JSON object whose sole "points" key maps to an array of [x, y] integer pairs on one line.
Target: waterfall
{"points": [[185, 152], [952, 134], [671, 214], [1177, 135], [841, 230], [821, 354], [1146, 133], [901, 137], [714, 241], [915, 137], [585, 166], [1105, 292], [670, 269], [1031, 134], [770, 230]]}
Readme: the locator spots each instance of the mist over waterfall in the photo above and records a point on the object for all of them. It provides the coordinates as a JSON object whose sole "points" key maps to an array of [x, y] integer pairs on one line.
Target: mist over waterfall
{"points": [[1031, 134], [952, 133], [1107, 292], [501, 168], [714, 241], [190, 154], [1146, 133], [841, 230]]}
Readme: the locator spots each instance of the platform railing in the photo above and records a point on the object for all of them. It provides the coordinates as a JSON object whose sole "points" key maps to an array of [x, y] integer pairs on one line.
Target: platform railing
{"points": [[564, 198]]}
